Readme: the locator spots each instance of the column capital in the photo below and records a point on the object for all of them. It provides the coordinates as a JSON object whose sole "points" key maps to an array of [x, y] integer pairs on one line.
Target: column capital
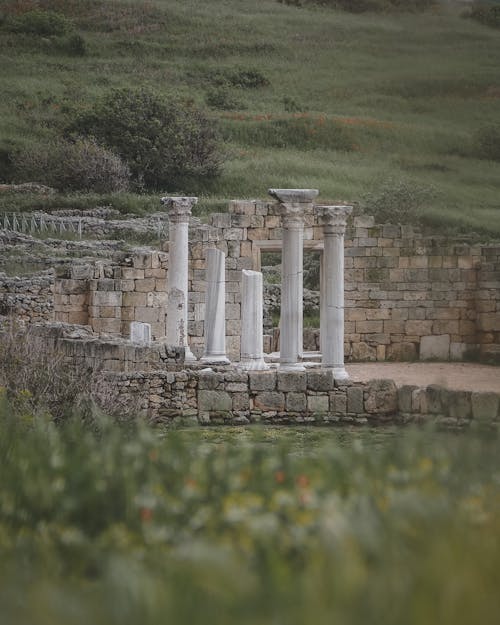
{"points": [[179, 207], [293, 203], [333, 217]]}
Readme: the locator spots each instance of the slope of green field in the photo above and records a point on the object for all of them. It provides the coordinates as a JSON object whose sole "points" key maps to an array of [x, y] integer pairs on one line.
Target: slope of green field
{"points": [[351, 104]]}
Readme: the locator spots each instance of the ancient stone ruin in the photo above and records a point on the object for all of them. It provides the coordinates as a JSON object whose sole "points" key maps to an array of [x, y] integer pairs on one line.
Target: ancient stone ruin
{"points": [[181, 328]]}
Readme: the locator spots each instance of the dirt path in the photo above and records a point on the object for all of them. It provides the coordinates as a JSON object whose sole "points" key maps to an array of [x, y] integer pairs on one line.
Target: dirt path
{"points": [[457, 375]]}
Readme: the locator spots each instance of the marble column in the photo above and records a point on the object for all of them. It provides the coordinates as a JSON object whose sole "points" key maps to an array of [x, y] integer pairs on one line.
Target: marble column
{"points": [[252, 333], [334, 220], [215, 308], [179, 211], [293, 206]]}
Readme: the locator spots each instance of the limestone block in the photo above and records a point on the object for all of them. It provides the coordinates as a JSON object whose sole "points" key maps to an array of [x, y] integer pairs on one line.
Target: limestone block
{"points": [[418, 328], [296, 402], [126, 285], [355, 400], [156, 300], [105, 284], [292, 381], [338, 403], [107, 326], [435, 397], [366, 327], [435, 347], [246, 248], [241, 401], [210, 380], [105, 298], [233, 311], [364, 221], [458, 404], [489, 322], [321, 380], [258, 234], [318, 403], [362, 351], [268, 401], [131, 273], [485, 406], [262, 380], [127, 313], [72, 286], [135, 299], [79, 317], [148, 315], [382, 397], [405, 398], [402, 352], [142, 261], [214, 401], [107, 312]]}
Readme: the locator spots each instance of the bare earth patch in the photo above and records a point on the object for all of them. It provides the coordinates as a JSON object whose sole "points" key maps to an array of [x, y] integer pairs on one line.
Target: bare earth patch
{"points": [[458, 376]]}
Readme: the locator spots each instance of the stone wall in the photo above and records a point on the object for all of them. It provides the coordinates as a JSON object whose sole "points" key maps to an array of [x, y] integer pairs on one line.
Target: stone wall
{"points": [[109, 296], [231, 396], [407, 295], [28, 298]]}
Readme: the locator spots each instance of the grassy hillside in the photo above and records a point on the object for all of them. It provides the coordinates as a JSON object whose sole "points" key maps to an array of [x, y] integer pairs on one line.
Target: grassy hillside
{"points": [[354, 104]]}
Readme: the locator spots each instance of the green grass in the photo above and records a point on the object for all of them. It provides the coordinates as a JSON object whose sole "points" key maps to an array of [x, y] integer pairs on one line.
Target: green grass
{"points": [[105, 524], [402, 95]]}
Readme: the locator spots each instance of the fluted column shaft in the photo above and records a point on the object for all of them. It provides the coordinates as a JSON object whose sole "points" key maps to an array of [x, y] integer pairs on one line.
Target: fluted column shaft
{"points": [[293, 205], [334, 220], [215, 308], [179, 212], [252, 339]]}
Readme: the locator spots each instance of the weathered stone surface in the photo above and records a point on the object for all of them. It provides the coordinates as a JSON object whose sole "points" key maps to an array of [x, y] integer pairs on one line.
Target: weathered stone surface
{"points": [[214, 401], [485, 406], [262, 380], [320, 380], [435, 347], [405, 394], [338, 403], [317, 403], [296, 402], [355, 400], [382, 397], [210, 380], [269, 401], [292, 381], [458, 404]]}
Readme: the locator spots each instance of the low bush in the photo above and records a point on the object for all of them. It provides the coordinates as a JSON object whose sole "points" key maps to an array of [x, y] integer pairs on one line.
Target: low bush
{"points": [[364, 6], [487, 13], [223, 99], [486, 143], [164, 143], [80, 165], [397, 201], [41, 23]]}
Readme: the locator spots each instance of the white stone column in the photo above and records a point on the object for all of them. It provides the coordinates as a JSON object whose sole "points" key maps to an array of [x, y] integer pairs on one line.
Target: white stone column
{"points": [[334, 220], [179, 211], [293, 203], [252, 334], [215, 308]]}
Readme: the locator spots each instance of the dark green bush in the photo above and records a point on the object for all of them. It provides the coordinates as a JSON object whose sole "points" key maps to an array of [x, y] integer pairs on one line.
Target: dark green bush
{"points": [[487, 143], [363, 6], [40, 23], [243, 78], [223, 99], [397, 201], [165, 144], [81, 165], [487, 13]]}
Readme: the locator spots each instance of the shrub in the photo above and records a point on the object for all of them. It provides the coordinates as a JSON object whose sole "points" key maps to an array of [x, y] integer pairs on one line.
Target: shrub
{"points": [[222, 99], [397, 201], [487, 143], [363, 6], [81, 165], [40, 23], [487, 13], [242, 78], [35, 377], [164, 143]]}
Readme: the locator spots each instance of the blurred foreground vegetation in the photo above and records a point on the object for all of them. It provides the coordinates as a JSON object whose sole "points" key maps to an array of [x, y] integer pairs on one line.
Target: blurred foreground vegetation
{"points": [[104, 523]]}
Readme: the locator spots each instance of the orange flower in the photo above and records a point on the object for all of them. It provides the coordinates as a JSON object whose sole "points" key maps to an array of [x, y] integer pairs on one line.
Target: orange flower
{"points": [[279, 477], [146, 515], [302, 481]]}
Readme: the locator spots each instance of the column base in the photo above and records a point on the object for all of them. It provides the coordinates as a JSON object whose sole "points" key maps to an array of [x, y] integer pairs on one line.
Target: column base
{"points": [[256, 364], [339, 373], [215, 360], [188, 355], [292, 366]]}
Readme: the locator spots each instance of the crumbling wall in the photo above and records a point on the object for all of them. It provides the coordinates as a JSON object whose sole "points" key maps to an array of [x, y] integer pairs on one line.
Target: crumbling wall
{"points": [[29, 299]]}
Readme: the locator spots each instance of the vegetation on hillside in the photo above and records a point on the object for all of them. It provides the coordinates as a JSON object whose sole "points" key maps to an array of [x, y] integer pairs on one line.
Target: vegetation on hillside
{"points": [[309, 96]]}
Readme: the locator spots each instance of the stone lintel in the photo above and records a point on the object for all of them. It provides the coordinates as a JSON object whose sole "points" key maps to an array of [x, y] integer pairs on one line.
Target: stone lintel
{"points": [[179, 207]]}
